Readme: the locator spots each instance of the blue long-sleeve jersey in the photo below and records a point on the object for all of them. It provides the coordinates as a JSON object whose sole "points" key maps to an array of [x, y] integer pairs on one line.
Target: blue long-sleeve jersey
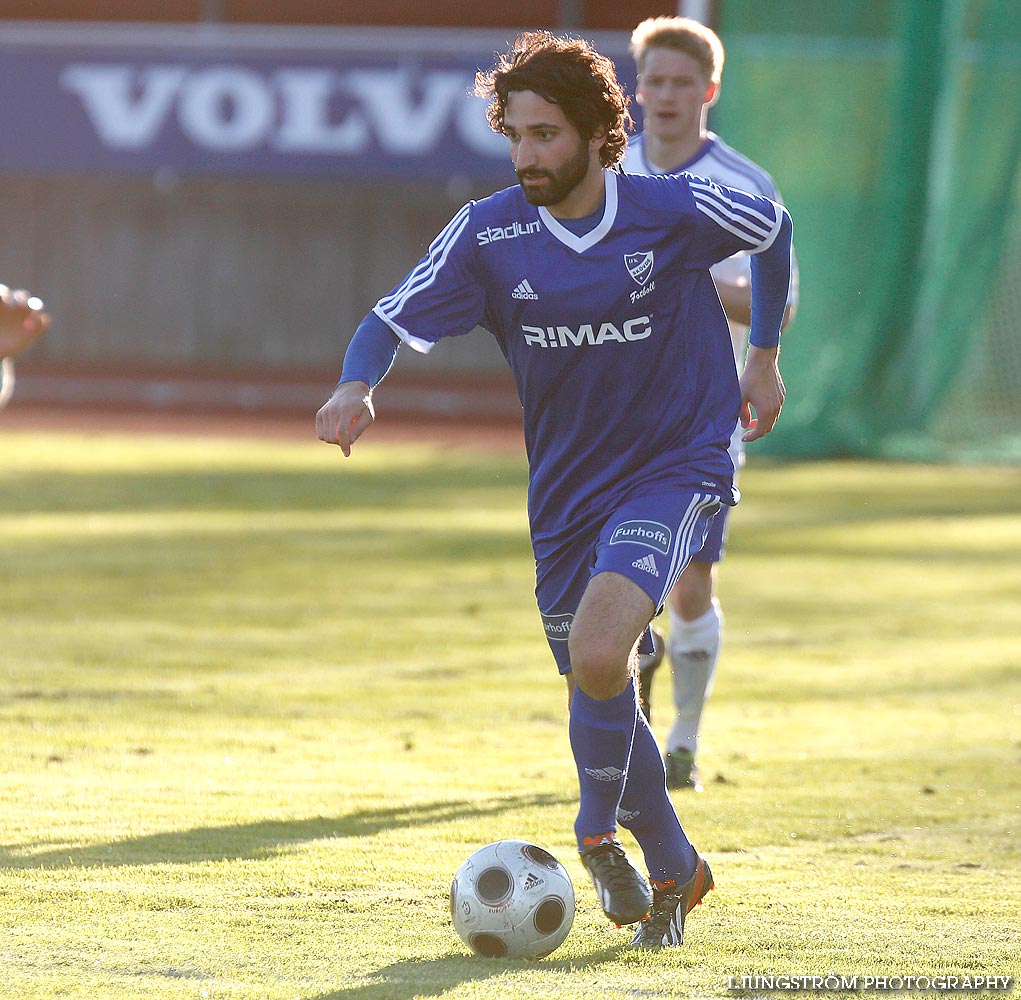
{"points": [[616, 338]]}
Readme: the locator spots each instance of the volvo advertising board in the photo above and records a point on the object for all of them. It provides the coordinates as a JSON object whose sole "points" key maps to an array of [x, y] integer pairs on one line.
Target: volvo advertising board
{"points": [[282, 101]]}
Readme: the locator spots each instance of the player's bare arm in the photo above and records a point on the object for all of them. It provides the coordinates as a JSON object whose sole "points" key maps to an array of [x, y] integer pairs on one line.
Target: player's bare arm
{"points": [[735, 293], [737, 304], [736, 300], [349, 412], [345, 416], [763, 390], [22, 320]]}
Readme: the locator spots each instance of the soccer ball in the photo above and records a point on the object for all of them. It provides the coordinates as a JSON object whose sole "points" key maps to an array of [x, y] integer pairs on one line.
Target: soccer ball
{"points": [[512, 899]]}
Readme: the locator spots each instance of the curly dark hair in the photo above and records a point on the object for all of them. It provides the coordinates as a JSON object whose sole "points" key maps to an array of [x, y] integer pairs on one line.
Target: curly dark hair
{"points": [[567, 72]]}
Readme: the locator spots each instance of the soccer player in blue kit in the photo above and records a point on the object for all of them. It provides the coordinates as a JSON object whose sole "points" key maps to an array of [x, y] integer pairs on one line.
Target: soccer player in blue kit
{"points": [[596, 286]]}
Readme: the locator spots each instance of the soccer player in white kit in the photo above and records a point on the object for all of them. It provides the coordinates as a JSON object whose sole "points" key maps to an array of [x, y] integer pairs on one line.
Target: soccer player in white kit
{"points": [[680, 62], [596, 287]]}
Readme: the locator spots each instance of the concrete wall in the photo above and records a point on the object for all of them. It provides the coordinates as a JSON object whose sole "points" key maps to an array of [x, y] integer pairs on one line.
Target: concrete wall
{"points": [[218, 274]]}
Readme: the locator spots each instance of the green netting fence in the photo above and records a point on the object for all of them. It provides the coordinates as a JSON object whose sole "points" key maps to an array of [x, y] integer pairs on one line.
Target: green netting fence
{"points": [[894, 132]]}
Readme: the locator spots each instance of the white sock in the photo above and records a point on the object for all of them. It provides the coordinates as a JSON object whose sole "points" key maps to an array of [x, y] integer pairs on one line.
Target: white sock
{"points": [[694, 652]]}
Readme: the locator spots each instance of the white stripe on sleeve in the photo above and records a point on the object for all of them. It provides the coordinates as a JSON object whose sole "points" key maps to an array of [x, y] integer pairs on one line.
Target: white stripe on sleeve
{"points": [[425, 273]]}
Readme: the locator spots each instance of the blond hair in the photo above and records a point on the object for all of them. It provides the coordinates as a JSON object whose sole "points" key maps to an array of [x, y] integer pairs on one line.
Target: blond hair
{"points": [[682, 34]]}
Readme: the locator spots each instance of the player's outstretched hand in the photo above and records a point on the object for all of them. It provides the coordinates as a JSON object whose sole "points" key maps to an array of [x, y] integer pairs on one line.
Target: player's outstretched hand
{"points": [[762, 390], [22, 320], [345, 416]]}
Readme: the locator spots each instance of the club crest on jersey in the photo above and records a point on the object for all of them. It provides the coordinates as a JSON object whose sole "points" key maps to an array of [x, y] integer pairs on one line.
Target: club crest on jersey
{"points": [[639, 265]]}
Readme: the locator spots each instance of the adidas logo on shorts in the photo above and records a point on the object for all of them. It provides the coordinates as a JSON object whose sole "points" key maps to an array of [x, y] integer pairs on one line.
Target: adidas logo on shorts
{"points": [[646, 563]]}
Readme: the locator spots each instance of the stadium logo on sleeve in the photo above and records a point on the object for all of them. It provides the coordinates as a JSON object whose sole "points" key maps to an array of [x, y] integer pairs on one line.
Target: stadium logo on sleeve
{"points": [[558, 627], [651, 534]]}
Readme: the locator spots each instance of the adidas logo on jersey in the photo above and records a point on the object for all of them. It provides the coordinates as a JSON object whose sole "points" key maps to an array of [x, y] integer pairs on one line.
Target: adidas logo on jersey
{"points": [[646, 563], [605, 773], [524, 291]]}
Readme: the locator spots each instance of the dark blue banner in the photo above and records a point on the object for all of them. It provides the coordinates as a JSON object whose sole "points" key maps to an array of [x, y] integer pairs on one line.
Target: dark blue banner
{"points": [[195, 100]]}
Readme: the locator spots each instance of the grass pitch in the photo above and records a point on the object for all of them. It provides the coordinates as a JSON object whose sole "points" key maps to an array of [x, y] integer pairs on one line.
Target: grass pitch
{"points": [[258, 704]]}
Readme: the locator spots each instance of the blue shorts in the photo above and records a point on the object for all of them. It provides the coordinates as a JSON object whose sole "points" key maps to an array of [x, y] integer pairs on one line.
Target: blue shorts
{"points": [[648, 539], [715, 539]]}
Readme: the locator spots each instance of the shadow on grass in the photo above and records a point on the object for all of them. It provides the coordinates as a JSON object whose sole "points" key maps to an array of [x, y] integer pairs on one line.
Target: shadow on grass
{"points": [[438, 484], [255, 841], [434, 977]]}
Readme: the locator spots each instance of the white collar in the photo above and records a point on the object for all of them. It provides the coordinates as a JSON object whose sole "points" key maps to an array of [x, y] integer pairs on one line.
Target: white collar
{"points": [[579, 244]]}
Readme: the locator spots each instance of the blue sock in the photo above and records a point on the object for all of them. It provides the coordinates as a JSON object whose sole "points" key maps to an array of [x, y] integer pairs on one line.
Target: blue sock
{"points": [[601, 733], [647, 812]]}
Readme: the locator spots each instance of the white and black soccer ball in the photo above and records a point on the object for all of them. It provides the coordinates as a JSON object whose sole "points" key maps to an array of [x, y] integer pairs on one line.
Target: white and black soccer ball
{"points": [[512, 899]]}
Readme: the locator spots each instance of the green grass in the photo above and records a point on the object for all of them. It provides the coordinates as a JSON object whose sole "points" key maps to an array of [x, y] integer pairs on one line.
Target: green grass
{"points": [[258, 704]]}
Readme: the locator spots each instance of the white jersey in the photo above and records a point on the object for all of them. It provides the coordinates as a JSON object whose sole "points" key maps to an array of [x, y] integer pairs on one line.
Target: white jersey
{"points": [[725, 165]]}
